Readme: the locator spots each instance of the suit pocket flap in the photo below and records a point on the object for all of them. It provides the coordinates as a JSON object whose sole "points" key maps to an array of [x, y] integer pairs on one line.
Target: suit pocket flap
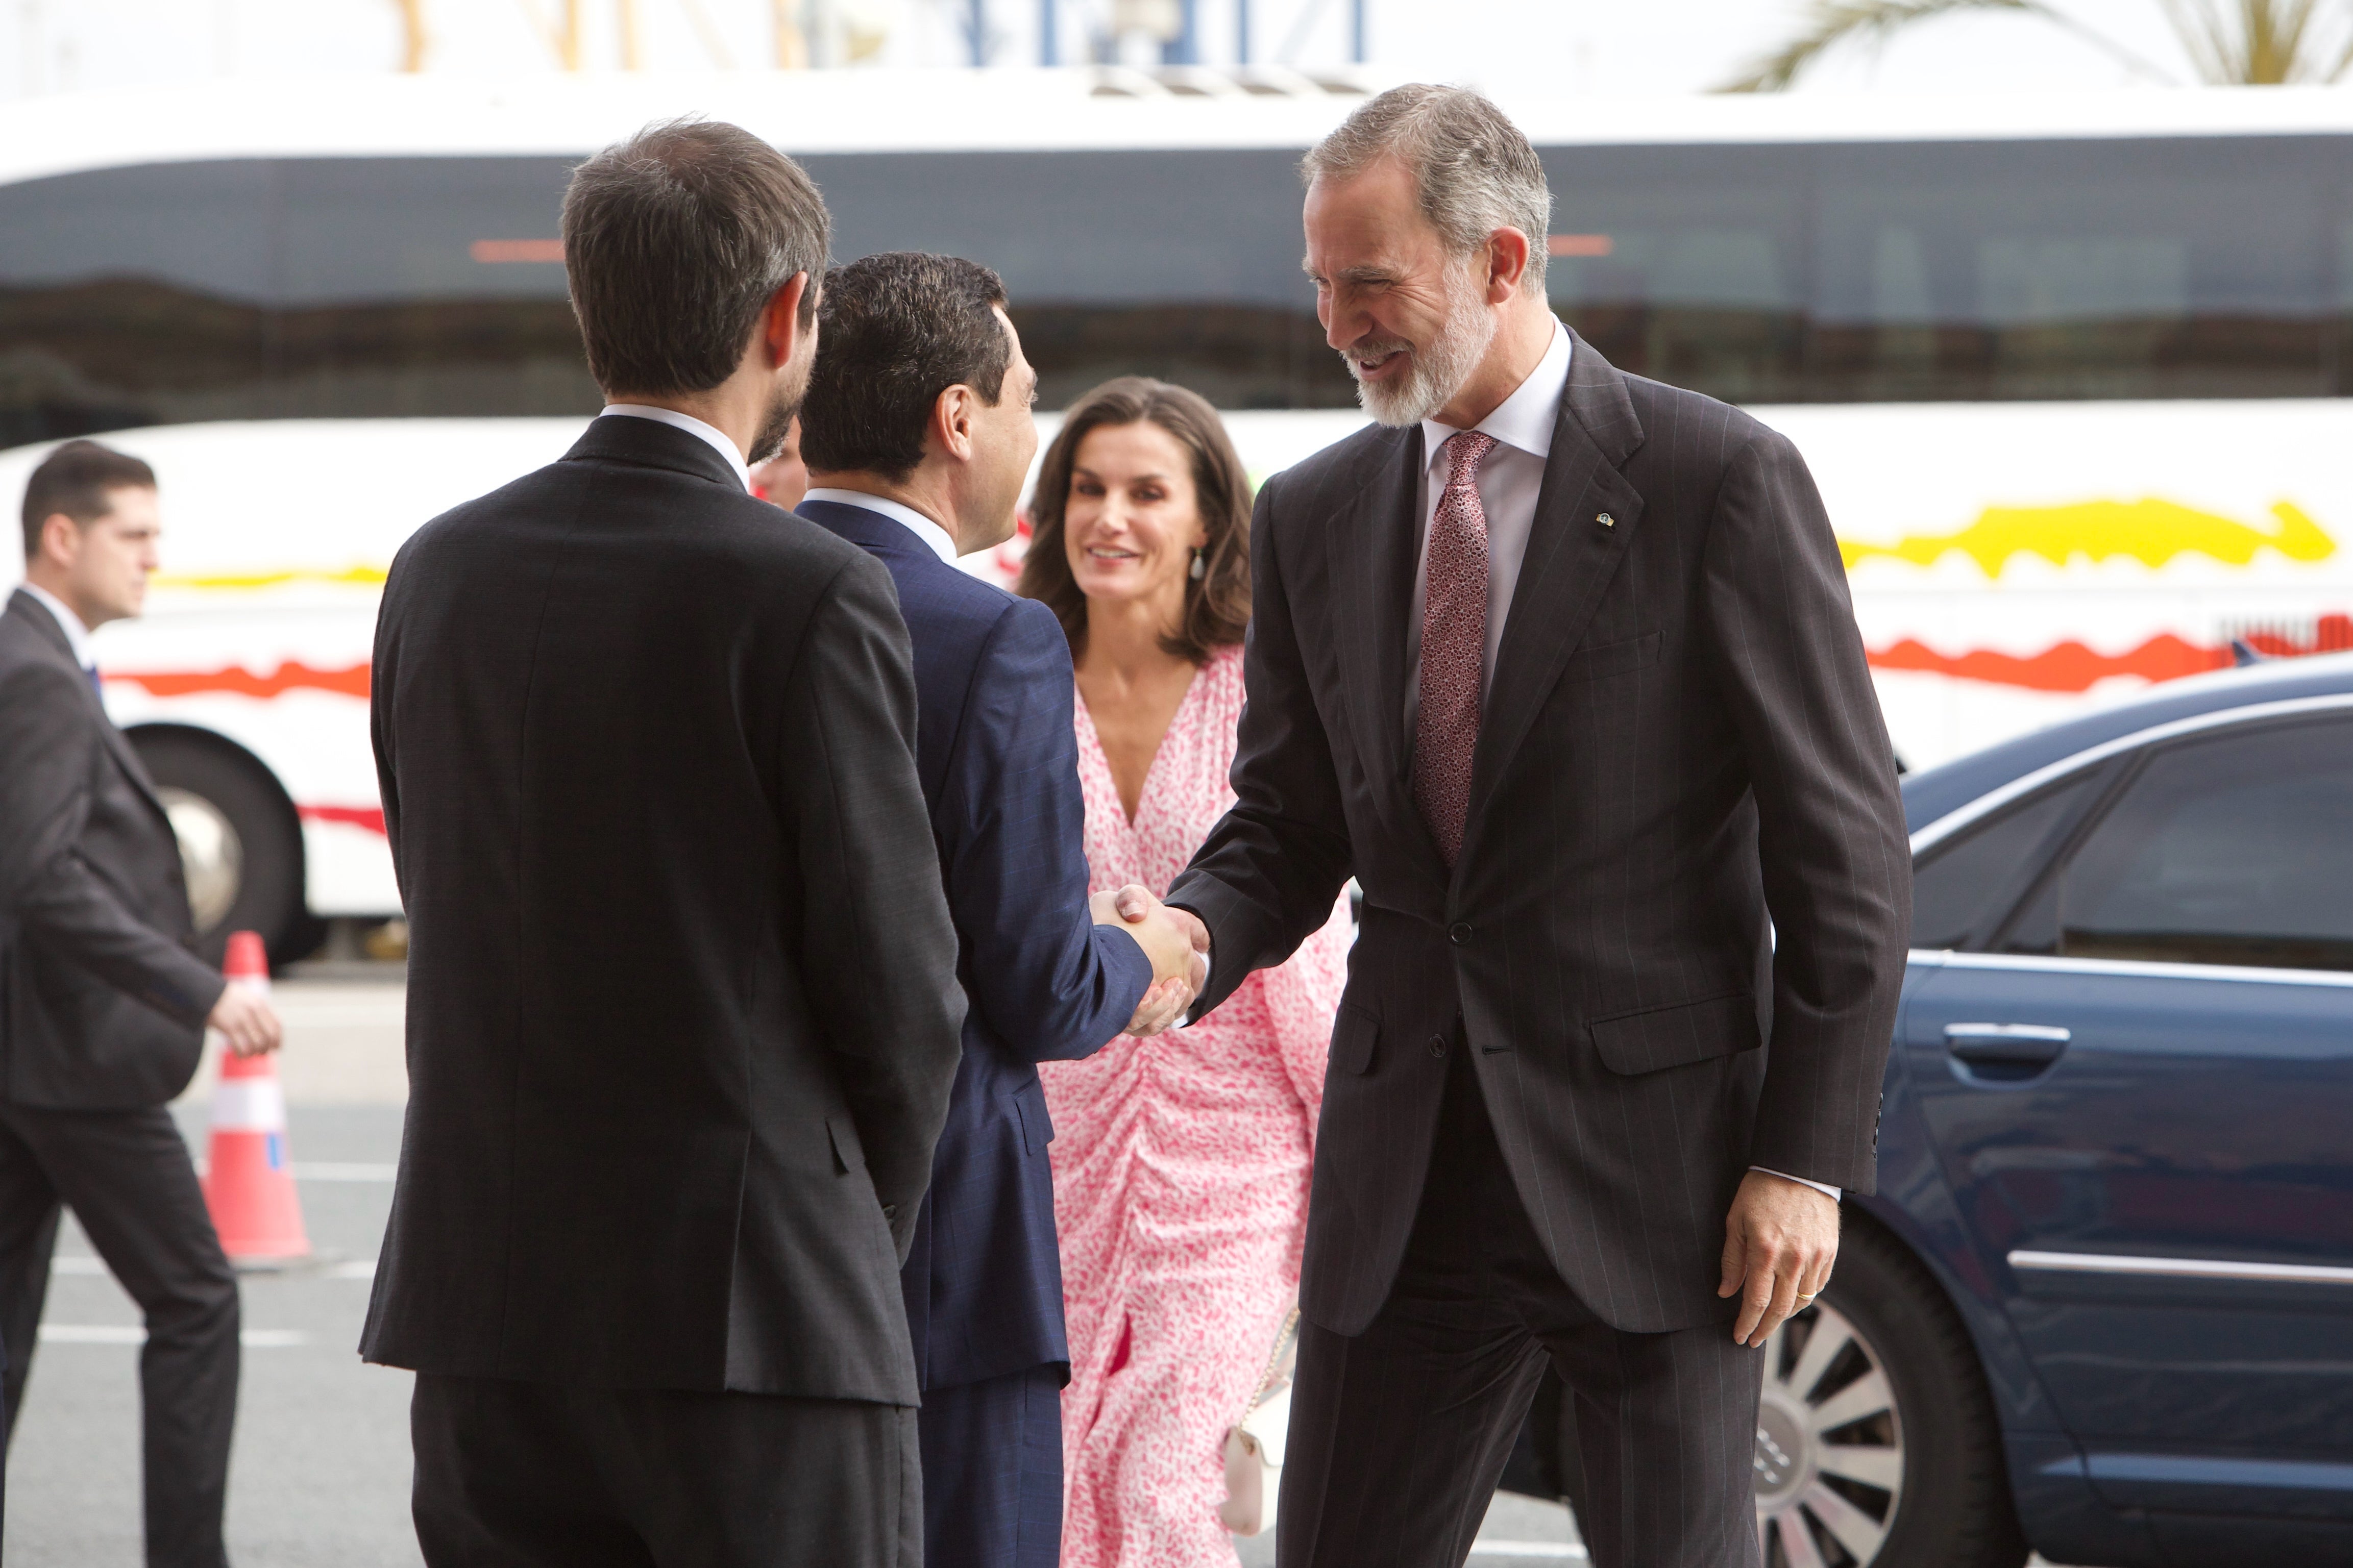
{"points": [[1029, 1110], [1354, 1033], [1674, 1036], [849, 1154], [1612, 658]]}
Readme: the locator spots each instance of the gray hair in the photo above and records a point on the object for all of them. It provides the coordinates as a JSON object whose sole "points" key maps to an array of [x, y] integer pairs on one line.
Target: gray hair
{"points": [[674, 241], [1474, 170]]}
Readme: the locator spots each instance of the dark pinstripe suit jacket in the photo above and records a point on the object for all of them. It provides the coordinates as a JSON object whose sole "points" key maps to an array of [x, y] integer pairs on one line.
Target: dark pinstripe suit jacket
{"points": [[1681, 741], [999, 762]]}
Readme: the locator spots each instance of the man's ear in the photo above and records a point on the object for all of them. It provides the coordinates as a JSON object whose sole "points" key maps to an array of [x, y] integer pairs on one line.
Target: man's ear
{"points": [[952, 414], [60, 540], [781, 329], [1507, 264]]}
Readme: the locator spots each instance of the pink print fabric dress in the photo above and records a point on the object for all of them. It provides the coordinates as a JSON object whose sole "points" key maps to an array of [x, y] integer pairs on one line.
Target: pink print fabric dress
{"points": [[1180, 1183]]}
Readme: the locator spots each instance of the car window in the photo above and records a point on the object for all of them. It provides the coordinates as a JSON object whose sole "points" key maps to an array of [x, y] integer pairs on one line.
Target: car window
{"points": [[1956, 887], [2234, 849]]}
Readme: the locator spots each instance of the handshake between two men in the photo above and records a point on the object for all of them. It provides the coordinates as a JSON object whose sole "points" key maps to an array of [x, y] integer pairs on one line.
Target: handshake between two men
{"points": [[1176, 942]]}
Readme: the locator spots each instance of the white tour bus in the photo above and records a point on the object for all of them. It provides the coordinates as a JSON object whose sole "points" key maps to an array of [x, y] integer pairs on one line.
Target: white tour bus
{"points": [[2072, 373]]}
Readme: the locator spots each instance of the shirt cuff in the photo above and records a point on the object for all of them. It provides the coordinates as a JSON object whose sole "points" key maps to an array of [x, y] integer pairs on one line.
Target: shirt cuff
{"points": [[1832, 1193]]}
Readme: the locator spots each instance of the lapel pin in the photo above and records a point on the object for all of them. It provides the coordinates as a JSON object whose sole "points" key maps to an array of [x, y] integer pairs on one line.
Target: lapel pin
{"points": [[1606, 520]]}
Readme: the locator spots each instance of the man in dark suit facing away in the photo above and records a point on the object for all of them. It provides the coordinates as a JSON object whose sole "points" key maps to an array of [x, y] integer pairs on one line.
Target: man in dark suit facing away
{"points": [[918, 435], [104, 1002], [683, 1014], [1559, 664]]}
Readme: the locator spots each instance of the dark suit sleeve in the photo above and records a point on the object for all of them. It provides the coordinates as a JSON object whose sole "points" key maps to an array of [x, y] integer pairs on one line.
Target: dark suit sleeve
{"points": [[47, 889], [1050, 982], [1265, 878], [878, 953], [382, 672], [1836, 865]]}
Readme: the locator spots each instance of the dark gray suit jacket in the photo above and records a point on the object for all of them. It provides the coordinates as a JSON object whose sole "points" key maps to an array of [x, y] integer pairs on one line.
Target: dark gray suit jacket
{"points": [[103, 998], [1681, 741], [683, 1005]]}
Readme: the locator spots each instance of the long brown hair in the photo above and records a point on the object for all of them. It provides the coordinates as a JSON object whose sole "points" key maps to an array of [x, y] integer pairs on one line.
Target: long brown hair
{"points": [[1218, 603]]}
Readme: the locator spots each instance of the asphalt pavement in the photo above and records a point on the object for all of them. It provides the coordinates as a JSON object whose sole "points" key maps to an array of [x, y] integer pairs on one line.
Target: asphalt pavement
{"points": [[320, 1470]]}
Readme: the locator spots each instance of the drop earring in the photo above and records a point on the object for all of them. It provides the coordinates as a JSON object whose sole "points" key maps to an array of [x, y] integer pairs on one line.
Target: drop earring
{"points": [[1201, 564]]}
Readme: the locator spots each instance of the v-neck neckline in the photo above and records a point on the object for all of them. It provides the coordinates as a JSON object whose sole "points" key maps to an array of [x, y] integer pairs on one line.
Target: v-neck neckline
{"points": [[1151, 769]]}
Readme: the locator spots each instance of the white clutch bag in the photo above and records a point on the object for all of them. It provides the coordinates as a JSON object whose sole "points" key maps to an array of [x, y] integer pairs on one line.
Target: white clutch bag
{"points": [[1254, 1444]]}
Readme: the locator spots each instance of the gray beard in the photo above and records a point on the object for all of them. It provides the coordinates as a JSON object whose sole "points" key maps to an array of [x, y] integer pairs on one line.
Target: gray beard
{"points": [[1437, 373]]}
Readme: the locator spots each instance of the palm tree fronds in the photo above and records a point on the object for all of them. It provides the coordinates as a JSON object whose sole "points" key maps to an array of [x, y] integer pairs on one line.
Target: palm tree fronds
{"points": [[1830, 23], [2253, 43]]}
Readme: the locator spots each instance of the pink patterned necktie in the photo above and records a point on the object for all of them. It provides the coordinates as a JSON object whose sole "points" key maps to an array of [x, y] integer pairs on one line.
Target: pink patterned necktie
{"points": [[1453, 645]]}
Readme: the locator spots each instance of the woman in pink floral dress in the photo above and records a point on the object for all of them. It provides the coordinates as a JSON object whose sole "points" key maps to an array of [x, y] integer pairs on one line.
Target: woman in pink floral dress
{"points": [[1180, 1162]]}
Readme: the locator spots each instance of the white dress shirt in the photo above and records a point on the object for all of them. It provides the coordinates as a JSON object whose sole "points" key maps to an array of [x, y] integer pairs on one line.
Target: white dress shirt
{"points": [[1509, 481], [76, 634], [922, 527], [717, 438]]}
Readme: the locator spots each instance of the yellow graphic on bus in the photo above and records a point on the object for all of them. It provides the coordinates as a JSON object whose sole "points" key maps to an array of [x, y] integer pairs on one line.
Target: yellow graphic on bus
{"points": [[237, 581], [2149, 530]]}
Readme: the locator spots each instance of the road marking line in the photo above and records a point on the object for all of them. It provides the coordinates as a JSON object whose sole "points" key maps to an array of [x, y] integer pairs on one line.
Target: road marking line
{"points": [[1563, 1550], [128, 1335], [75, 1266], [330, 1171], [343, 1171]]}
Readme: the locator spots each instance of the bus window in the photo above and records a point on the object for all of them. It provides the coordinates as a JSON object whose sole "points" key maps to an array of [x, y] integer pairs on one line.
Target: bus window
{"points": [[1182, 265], [134, 297], [1686, 263], [414, 286], [2070, 269]]}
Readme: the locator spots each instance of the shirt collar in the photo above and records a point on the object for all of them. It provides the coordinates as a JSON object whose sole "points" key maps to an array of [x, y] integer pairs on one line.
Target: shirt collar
{"points": [[1525, 419], [924, 528], [717, 438], [77, 633]]}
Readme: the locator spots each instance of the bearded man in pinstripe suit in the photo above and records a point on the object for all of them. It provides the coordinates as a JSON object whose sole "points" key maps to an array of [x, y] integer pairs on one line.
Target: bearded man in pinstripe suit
{"points": [[1559, 664]]}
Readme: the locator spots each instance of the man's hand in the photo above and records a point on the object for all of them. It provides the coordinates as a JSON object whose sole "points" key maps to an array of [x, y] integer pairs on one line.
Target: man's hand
{"points": [[248, 1022], [1134, 903], [1780, 1241], [1163, 1004], [1179, 967]]}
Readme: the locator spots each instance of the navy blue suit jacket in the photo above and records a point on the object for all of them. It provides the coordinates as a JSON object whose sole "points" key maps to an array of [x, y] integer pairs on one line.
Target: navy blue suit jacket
{"points": [[1000, 765]]}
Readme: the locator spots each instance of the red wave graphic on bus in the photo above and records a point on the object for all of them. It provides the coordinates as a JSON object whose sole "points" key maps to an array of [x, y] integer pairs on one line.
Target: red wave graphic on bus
{"points": [[2072, 667], [291, 676], [368, 817]]}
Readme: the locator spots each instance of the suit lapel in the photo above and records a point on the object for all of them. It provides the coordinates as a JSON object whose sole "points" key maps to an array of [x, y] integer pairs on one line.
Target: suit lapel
{"points": [[1370, 542], [126, 756], [1571, 557], [118, 744]]}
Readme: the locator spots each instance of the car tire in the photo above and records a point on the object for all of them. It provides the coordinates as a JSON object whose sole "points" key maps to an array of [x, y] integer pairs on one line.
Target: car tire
{"points": [[1950, 1504], [241, 846]]}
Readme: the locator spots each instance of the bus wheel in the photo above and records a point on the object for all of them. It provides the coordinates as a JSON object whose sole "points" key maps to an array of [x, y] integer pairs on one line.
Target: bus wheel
{"points": [[240, 845]]}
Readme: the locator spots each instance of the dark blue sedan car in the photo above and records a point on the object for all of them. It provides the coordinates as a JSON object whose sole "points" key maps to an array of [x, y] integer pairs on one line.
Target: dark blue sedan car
{"points": [[2103, 1302]]}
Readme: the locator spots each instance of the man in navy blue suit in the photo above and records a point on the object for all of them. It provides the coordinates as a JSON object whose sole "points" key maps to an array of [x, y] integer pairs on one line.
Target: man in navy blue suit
{"points": [[917, 433]]}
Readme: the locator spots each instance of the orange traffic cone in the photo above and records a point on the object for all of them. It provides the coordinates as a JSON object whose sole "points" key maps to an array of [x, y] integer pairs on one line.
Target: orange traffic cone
{"points": [[249, 1186]]}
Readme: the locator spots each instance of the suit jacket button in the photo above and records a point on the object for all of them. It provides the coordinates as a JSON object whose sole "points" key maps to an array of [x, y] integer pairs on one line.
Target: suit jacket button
{"points": [[1438, 1044], [1460, 933], [890, 1211]]}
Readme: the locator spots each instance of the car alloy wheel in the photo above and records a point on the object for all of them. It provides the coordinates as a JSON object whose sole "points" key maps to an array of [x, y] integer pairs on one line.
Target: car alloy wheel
{"points": [[1830, 1445]]}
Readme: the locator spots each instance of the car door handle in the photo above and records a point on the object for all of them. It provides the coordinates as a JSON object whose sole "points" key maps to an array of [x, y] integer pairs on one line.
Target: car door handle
{"points": [[2011, 1045]]}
